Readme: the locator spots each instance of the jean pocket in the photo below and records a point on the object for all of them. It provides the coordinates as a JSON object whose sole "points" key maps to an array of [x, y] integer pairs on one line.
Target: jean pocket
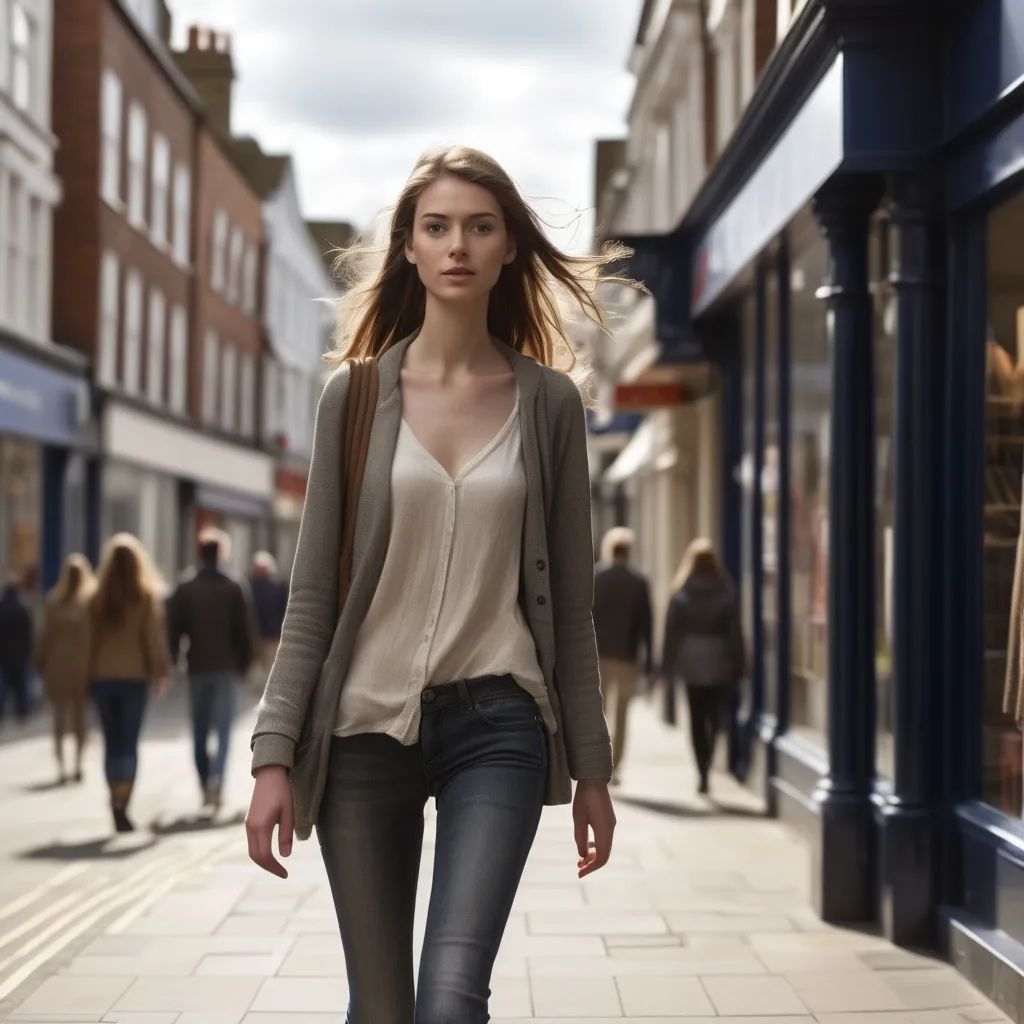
{"points": [[510, 711]]}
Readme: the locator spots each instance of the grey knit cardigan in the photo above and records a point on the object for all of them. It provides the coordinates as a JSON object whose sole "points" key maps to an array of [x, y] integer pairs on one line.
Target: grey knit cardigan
{"points": [[297, 713]]}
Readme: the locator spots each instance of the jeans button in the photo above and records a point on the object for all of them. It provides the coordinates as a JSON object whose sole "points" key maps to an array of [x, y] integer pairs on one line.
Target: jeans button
{"points": [[428, 696]]}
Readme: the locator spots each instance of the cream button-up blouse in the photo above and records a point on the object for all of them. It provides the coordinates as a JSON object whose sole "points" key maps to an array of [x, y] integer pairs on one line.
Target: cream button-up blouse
{"points": [[446, 606]]}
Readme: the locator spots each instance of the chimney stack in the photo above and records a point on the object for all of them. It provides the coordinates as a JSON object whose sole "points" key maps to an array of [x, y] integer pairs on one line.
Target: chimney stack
{"points": [[207, 63]]}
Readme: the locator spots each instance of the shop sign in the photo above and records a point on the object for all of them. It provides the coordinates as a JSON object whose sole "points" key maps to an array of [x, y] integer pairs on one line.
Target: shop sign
{"points": [[648, 396], [39, 402], [805, 157]]}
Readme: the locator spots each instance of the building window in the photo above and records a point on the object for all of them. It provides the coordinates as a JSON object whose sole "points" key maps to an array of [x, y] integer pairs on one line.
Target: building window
{"points": [[137, 131], [218, 266], [247, 399], [110, 294], [811, 389], [182, 214], [155, 354], [179, 360], [234, 292], [249, 281], [770, 497], [228, 386], [34, 266], [132, 332], [160, 190], [211, 363], [22, 63], [112, 99], [271, 414], [1001, 745], [16, 198]]}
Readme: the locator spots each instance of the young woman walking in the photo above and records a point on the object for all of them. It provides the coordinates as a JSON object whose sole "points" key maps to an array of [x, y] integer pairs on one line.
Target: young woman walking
{"points": [[463, 665], [62, 649], [128, 654], [703, 646]]}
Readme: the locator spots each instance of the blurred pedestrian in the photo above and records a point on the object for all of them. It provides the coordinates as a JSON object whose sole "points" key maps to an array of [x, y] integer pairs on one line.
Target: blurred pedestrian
{"points": [[457, 659], [213, 609], [61, 653], [623, 621], [270, 597], [16, 628], [127, 656], [704, 646]]}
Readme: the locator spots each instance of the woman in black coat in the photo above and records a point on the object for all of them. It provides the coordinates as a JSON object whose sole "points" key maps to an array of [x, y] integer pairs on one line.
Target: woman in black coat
{"points": [[703, 646]]}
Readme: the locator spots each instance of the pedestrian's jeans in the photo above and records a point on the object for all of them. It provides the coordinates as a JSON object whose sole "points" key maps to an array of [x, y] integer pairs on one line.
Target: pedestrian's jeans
{"points": [[213, 707], [482, 755], [14, 680], [121, 704]]}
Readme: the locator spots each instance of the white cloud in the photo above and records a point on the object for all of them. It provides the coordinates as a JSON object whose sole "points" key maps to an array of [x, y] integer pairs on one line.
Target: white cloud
{"points": [[357, 90]]}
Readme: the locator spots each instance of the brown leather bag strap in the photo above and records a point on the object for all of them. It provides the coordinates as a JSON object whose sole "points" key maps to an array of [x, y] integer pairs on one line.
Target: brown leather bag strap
{"points": [[359, 413]]}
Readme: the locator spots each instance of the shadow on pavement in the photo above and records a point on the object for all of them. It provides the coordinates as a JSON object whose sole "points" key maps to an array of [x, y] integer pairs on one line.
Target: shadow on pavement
{"points": [[715, 809], [91, 849], [196, 823]]}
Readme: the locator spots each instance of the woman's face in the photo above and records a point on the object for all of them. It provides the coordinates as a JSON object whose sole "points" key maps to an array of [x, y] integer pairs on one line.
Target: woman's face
{"points": [[459, 240]]}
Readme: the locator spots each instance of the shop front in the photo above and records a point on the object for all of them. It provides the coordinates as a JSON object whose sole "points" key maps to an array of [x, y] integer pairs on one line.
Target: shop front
{"points": [[857, 270], [162, 482], [44, 433], [289, 497]]}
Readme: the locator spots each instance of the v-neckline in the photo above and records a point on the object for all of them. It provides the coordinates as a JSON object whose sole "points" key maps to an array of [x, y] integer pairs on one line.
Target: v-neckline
{"points": [[476, 459]]}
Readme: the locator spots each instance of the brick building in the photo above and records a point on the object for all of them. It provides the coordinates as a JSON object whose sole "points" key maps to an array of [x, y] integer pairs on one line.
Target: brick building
{"points": [[134, 254]]}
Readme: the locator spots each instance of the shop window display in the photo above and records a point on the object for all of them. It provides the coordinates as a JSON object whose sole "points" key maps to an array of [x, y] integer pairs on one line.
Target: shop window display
{"points": [[770, 496], [20, 512], [1003, 702], [811, 398], [745, 470], [884, 258]]}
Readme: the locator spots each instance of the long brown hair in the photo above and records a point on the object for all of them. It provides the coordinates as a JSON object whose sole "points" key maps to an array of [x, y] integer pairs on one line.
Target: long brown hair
{"points": [[386, 300], [702, 559], [126, 579], [76, 582]]}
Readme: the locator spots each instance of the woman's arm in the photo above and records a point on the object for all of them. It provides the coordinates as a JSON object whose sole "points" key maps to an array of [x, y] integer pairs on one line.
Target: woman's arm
{"points": [[157, 653], [312, 611], [670, 643], [571, 552]]}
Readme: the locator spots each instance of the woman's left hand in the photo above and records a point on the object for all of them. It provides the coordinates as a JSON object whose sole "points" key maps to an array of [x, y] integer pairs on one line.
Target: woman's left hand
{"points": [[592, 811]]}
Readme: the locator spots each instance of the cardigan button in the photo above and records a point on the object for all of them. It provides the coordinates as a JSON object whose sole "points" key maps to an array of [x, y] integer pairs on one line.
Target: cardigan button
{"points": [[542, 599], [541, 564]]}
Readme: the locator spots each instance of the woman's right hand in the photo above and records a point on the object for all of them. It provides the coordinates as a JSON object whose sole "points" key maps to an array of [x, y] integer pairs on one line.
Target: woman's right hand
{"points": [[271, 805]]}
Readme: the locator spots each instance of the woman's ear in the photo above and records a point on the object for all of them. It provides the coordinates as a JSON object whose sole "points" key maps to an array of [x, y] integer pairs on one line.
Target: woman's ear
{"points": [[409, 254], [510, 251]]}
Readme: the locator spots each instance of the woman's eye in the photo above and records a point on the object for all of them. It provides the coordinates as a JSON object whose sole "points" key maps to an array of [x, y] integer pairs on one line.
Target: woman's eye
{"points": [[431, 227], [483, 228]]}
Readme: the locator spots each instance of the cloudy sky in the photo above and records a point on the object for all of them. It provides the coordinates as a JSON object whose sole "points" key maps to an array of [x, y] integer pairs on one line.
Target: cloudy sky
{"points": [[356, 89]]}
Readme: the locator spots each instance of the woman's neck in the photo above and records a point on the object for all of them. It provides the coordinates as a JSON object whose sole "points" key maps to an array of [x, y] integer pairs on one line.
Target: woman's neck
{"points": [[452, 338]]}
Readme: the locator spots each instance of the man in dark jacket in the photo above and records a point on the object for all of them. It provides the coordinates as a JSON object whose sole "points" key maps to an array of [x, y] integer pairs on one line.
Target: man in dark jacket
{"points": [[15, 648], [270, 596], [622, 620], [213, 608]]}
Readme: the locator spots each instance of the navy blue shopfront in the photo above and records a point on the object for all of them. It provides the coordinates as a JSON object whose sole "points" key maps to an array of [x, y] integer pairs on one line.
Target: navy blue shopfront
{"points": [[44, 418], [856, 268]]}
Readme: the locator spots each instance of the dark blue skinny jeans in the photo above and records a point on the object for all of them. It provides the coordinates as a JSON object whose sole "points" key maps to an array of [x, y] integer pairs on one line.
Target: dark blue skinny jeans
{"points": [[482, 755]]}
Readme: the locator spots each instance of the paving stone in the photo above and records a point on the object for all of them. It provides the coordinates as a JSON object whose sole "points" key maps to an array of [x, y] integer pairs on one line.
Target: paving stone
{"points": [[71, 995], [744, 997], [575, 997], [665, 994]]}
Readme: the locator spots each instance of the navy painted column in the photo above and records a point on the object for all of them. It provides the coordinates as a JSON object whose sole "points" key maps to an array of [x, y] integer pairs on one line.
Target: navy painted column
{"points": [[55, 463], [93, 508], [906, 835], [844, 856]]}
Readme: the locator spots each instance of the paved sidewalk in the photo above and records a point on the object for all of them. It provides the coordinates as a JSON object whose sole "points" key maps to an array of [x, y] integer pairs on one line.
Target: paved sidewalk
{"points": [[701, 914]]}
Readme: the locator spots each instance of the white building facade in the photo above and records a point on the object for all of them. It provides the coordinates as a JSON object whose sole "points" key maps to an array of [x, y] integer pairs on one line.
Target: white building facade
{"points": [[299, 315]]}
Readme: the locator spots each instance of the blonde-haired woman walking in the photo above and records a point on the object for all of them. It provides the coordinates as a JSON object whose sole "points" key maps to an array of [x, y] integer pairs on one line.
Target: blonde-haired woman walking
{"points": [[128, 653], [703, 646], [61, 653]]}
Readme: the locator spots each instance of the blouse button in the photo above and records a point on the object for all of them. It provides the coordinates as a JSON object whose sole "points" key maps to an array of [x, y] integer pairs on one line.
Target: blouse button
{"points": [[541, 564], [542, 599]]}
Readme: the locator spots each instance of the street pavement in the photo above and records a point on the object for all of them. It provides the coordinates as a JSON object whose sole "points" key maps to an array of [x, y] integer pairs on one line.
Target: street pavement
{"points": [[701, 914]]}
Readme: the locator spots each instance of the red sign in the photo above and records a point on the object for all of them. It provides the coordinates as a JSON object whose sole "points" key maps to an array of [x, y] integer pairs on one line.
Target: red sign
{"points": [[648, 396], [291, 481]]}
